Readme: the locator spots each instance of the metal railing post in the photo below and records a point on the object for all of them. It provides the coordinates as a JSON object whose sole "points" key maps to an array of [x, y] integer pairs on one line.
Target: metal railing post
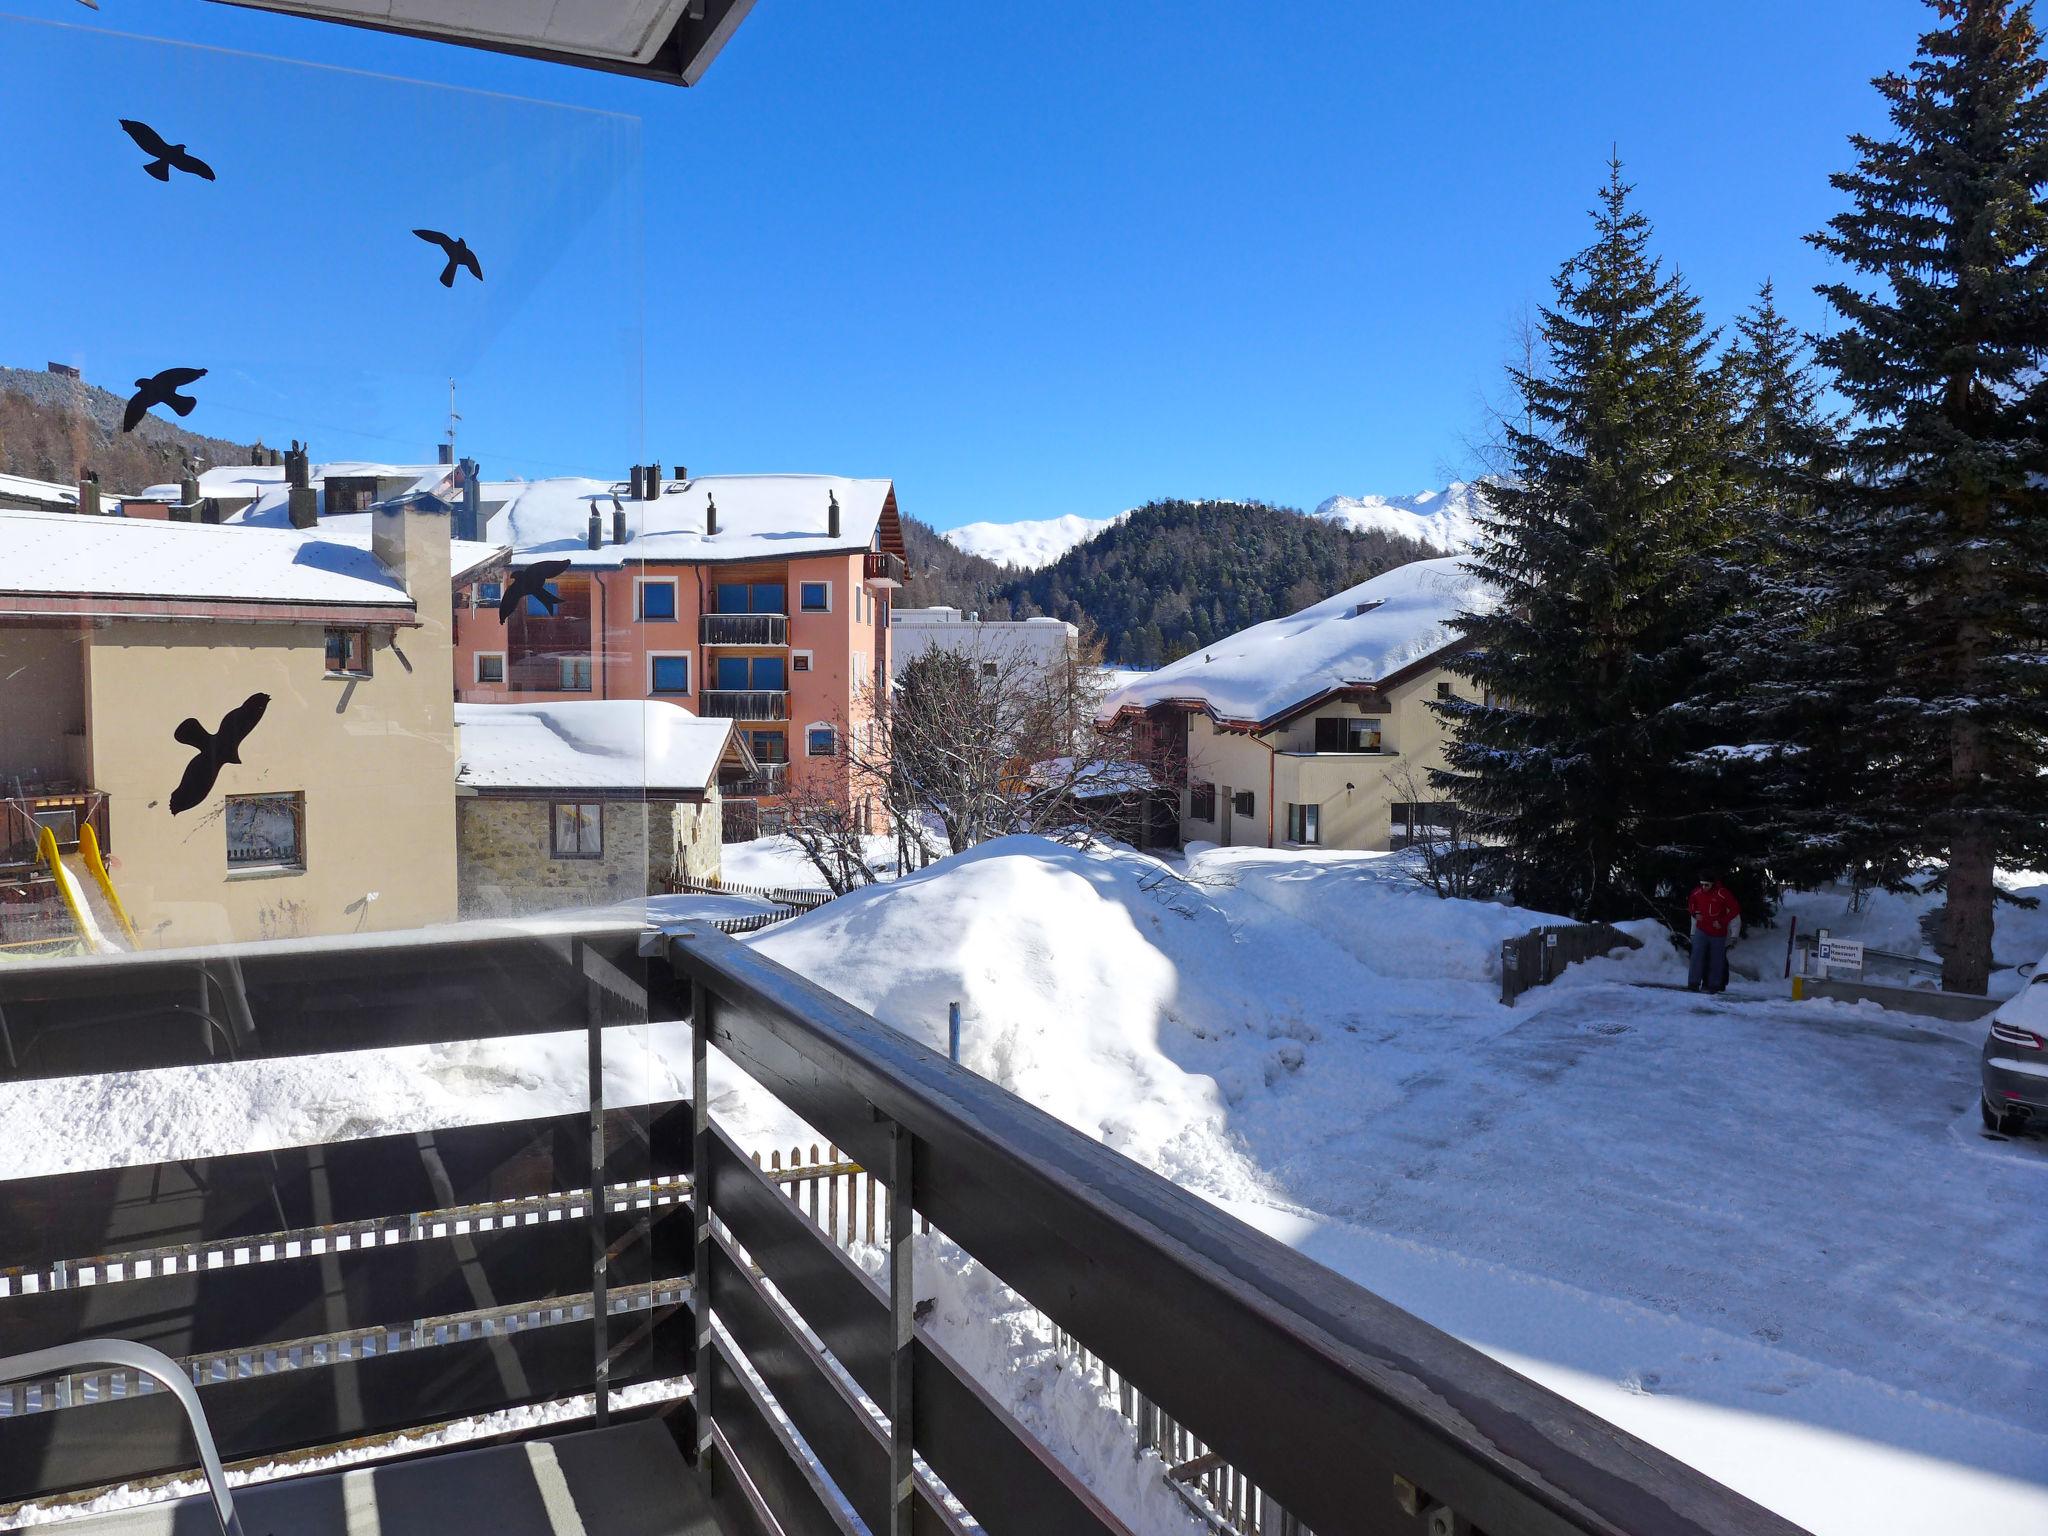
{"points": [[700, 1195], [599, 1218], [902, 1323]]}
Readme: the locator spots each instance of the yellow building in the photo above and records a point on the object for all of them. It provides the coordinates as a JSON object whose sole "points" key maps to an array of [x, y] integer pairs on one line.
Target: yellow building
{"points": [[333, 814], [1314, 730]]}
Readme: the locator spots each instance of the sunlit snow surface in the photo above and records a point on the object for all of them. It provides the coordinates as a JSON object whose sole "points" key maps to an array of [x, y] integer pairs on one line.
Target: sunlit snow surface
{"points": [[1766, 1236]]}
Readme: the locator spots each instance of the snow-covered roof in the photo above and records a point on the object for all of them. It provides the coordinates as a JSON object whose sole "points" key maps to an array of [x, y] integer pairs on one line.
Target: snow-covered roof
{"points": [[589, 744], [760, 517], [1355, 639], [69, 554], [43, 492], [233, 482]]}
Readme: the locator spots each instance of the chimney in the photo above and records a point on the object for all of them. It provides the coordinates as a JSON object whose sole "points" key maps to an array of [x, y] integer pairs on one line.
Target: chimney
{"points": [[298, 468], [410, 540], [682, 473], [302, 504], [832, 514], [653, 481], [470, 523], [447, 454], [89, 493], [188, 490], [710, 514], [618, 524], [637, 487], [596, 530]]}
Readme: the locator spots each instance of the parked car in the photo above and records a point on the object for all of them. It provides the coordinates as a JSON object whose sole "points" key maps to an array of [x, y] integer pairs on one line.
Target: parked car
{"points": [[2015, 1067]]}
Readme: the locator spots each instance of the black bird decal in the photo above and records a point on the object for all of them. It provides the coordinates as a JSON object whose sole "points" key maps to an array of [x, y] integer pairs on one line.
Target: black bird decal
{"points": [[164, 158], [532, 581], [213, 749], [458, 252], [161, 389]]}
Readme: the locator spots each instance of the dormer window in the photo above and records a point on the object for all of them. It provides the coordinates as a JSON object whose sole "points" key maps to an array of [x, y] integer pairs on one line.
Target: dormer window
{"points": [[1367, 607]]}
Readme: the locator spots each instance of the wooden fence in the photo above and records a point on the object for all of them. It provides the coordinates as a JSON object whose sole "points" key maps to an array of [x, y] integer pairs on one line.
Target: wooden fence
{"points": [[1540, 956]]}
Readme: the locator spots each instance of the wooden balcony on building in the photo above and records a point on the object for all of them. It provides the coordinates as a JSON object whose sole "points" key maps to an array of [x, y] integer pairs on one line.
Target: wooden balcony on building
{"points": [[743, 704], [766, 629]]}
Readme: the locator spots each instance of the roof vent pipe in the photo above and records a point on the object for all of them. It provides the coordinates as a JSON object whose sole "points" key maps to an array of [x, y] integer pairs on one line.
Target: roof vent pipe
{"points": [[596, 530], [618, 524], [710, 515], [832, 514]]}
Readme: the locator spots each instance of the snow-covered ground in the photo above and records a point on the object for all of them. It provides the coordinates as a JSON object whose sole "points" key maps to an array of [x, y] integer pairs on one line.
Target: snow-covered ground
{"points": [[1766, 1236], [778, 862]]}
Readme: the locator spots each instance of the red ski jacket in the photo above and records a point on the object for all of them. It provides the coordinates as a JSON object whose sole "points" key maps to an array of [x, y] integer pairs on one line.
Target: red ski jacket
{"points": [[1714, 909]]}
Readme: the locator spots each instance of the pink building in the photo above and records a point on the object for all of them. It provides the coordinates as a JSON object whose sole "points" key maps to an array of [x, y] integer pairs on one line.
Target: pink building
{"points": [[762, 599]]}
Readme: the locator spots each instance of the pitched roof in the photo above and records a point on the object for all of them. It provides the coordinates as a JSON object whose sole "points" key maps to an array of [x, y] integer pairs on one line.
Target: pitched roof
{"points": [[760, 517], [71, 555], [597, 744], [1358, 638]]}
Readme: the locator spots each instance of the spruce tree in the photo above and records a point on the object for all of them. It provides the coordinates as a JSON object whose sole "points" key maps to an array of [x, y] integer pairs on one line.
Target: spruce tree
{"points": [[1782, 760], [1940, 527], [1598, 542]]}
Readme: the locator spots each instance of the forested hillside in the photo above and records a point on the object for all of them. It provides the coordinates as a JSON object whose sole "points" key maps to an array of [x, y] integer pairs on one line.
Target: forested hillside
{"points": [[1176, 575], [52, 426]]}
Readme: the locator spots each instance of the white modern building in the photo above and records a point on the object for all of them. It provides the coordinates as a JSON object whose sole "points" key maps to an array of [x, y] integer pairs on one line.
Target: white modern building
{"points": [[995, 643]]}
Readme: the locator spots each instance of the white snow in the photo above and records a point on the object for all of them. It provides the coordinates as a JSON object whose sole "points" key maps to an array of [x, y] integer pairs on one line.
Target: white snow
{"points": [[46, 494], [588, 744], [1355, 638], [1445, 519], [760, 517], [1764, 1235], [1031, 542], [776, 861], [70, 555]]}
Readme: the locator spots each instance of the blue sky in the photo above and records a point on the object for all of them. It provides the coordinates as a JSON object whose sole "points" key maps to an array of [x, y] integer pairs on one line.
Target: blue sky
{"points": [[1025, 261]]}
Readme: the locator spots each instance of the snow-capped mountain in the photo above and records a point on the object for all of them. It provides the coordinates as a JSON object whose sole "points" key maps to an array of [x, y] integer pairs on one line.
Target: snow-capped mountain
{"points": [[1444, 519], [1028, 545]]}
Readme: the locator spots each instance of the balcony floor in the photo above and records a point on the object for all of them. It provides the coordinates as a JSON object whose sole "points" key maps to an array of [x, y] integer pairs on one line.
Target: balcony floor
{"points": [[625, 1480]]}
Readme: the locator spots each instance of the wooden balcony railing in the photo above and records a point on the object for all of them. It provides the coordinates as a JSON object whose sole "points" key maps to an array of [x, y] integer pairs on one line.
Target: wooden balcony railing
{"points": [[744, 629], [743, 704], [882, 569], [766, 779]]}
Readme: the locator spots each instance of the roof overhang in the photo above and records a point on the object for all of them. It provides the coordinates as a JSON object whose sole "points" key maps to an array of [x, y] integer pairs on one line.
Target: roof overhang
{"points": [[667, 40], [36, 605]]}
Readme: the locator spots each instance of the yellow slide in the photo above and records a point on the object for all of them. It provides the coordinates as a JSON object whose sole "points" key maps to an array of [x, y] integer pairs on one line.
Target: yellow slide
{"points": [[75, 900], [89, 846]]}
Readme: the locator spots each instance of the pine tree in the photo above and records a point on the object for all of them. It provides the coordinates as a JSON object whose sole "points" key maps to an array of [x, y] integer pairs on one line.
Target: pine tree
{"points": [[1598, 542], [1783, 760], [1941, 525]]}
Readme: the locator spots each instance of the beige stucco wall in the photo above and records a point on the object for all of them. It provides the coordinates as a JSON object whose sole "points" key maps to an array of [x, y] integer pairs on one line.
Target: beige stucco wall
{"points": [[506, 868], [1354, 791], [374, 758]]}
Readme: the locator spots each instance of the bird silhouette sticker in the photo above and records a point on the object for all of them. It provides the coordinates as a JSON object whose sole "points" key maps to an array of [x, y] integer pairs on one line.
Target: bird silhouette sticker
{"points": [[161, 389], [532, 581], [458, 253], [164, 158], [213, 749]]}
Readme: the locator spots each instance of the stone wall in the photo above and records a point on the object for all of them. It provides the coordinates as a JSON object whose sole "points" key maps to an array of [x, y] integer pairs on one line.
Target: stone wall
{"points": [[505, 866]]}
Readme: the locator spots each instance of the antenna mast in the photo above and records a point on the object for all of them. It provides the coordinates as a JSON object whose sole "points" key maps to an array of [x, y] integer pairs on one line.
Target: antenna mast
{"points": [[453, 417]]}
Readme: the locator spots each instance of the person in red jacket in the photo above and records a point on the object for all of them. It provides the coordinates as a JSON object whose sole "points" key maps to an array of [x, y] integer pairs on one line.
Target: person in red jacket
{"points": [[1714, 911]]}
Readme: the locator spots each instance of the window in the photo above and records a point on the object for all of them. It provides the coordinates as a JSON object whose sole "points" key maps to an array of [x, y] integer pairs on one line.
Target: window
{"points": [[668, 674], [348, 653], [1201, 802], [752, 597], [575, 674], [800, 661], [1241, 803], [738, 674], [1411, 821], [988, 669], [1302, 823], [768, 746], [490, 667], [815, 596], [578, 830], [266, 832], [489, 593], [657, 601], [1338, 734], [1443, 691], [821, 741]]}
